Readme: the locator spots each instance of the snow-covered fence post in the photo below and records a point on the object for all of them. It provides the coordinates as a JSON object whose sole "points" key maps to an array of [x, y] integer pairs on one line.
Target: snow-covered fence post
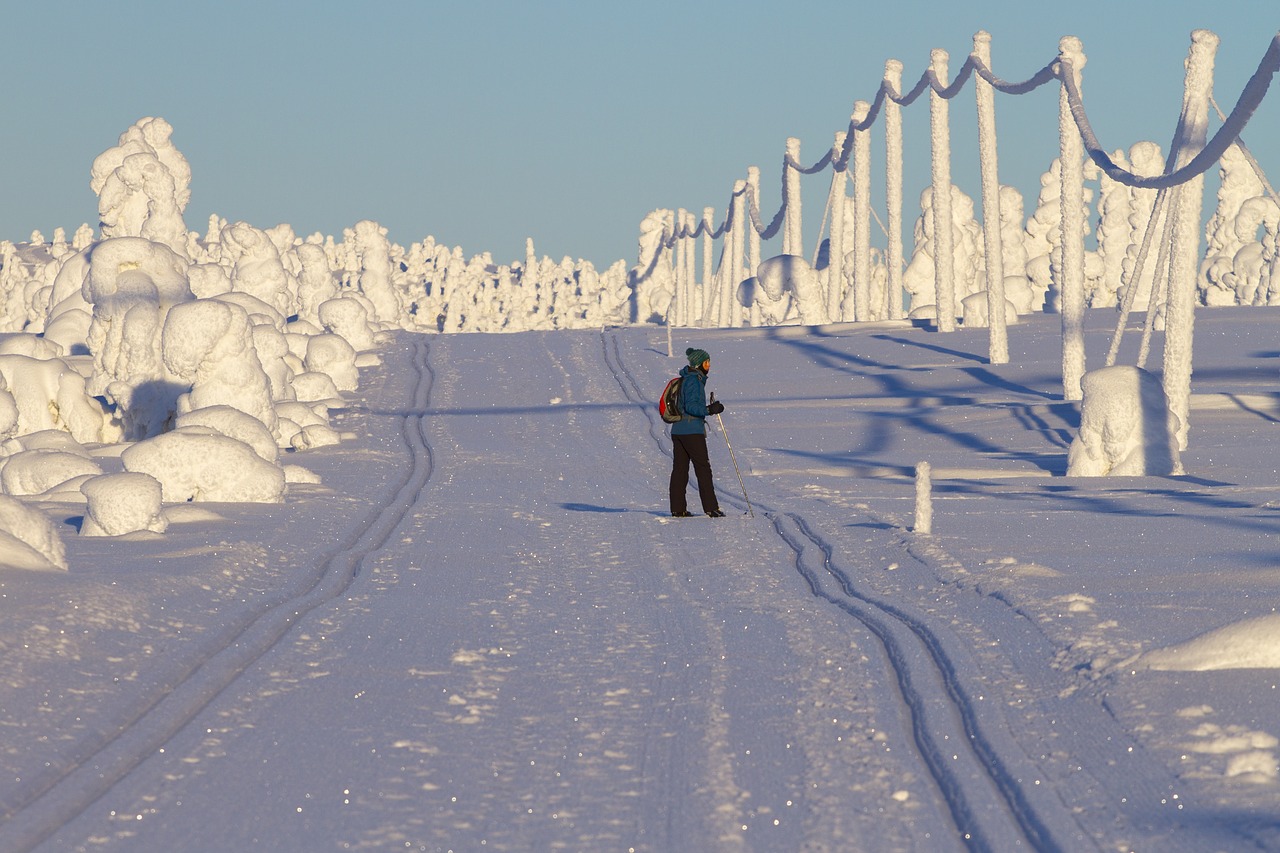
{"points": [[998, 338], [943, 239], [1073, 227], [753, 237], [924, 498], [792, 236], [861, 215], [835, 246], [893, 187], [1183, 266]]}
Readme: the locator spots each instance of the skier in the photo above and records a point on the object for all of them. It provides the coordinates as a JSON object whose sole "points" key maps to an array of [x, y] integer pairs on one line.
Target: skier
{"points": [[689, 438]]}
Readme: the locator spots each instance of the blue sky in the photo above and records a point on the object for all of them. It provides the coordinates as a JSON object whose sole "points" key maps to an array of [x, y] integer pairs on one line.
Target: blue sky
{"points": [[486, 122]]}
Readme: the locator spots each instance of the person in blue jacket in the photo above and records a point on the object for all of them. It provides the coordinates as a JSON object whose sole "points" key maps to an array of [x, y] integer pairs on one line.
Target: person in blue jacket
{"points": [[689, 438]]}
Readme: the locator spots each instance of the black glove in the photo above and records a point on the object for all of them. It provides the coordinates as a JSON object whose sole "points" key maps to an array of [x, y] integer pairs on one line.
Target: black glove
{"points": [[715, 408]]}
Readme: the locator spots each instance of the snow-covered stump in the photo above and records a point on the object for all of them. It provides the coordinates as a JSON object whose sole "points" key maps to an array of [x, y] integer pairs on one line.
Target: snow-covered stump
{"points": [[924, 498], [792, 235], [835, 245], [998, 337], [123, 503], [1126, 427], [893, 188], [943, 239], [861, 217], [1073, 227], [1183, 266]]}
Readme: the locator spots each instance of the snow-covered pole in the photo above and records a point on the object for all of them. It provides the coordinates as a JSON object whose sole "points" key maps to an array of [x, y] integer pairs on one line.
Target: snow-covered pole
{"points": [[681, 313], [690, 267], [792, 237], [708, 262], [924, 499], [861, 215], [730, 307], [893, 188], [1183, 266], [836, 249], [753, 240], [943, 239], [1071, 150], [998, 337]]}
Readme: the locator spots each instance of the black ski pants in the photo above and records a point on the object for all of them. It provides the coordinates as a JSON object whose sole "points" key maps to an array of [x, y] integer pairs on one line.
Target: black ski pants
{"points": [[691, 448]]}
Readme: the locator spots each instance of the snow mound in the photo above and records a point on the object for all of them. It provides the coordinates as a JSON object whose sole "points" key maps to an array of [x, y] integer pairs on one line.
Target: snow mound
{"points": [[29, 539], [196, 464], [122, 503], [1248, 644], [34, 472]]}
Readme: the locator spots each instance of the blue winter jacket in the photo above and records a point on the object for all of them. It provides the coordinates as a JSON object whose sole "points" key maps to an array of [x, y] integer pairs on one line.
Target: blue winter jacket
{"points": [[693, 403]]}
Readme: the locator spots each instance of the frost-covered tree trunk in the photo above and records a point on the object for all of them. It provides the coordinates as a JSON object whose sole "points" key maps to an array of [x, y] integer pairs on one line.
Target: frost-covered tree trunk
{"points": [[835, 243], [943, 259], [1073, 228], [998, 338], [1180, 313], [792, 234], [893, 189]]}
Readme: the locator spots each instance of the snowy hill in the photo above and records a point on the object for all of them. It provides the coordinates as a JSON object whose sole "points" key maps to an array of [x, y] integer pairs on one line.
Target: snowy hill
{"points": [[480, 630]]}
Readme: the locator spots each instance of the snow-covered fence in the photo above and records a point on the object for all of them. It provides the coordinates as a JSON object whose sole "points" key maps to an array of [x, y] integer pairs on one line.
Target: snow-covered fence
{"points": [[1064, 266]]}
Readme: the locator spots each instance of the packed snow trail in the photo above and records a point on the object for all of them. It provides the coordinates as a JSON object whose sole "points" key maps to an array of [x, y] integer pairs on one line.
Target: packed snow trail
{"points": [[536, 657]]}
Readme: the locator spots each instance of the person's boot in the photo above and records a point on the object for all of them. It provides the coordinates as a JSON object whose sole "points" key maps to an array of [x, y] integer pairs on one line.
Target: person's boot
{"points": [[716, 513]]}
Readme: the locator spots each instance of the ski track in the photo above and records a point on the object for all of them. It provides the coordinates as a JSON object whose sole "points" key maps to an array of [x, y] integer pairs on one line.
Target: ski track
{"points": [[971, 774], [46, 808]]}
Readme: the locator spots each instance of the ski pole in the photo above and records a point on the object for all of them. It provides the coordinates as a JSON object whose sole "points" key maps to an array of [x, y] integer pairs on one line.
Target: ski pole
{"points": [[725, 433]]}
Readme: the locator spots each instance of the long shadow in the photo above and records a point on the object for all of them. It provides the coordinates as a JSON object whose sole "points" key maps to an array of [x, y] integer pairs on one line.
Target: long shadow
{"points": [[968, 356], [579, 507]]}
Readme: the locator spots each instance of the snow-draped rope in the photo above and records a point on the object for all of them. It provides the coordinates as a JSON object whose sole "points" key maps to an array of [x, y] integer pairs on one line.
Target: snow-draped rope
{"points": [[1060, 69], [1250, 98]]}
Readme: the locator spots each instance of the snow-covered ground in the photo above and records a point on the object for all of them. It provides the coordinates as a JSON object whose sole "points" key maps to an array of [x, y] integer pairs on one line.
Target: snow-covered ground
{"points": [[481, 631]]}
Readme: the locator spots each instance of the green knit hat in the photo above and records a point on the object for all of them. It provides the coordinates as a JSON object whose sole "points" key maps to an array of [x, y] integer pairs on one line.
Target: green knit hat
{"points": [[697, 356]]}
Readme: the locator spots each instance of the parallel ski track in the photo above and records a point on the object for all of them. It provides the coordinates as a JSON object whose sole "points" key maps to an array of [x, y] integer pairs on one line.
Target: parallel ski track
{"points": [[92, 774], [980, 788]]}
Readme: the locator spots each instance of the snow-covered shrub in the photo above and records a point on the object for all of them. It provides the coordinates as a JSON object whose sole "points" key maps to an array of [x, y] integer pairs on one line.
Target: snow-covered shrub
{"points": [[50, 394], [234, 423], [29, 539], [315, 387], [197, 464], [349, 318], [374, 251], [333, 355], [1126, 428], [132, 284], [34, 472], [143, 186], [793, 274], [256, 266], [122, 503], [208, 343]]}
